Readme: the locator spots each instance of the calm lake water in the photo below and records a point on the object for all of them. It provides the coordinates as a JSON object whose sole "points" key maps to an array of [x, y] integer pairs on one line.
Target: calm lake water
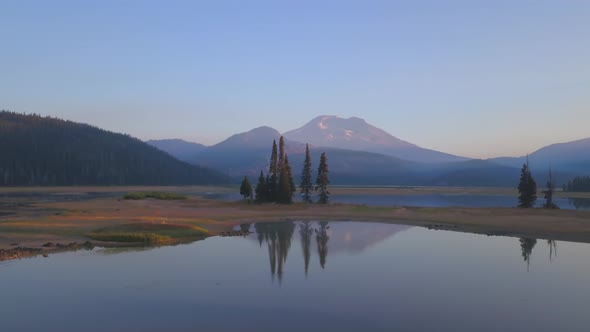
{"points": [[337, 276], [438, 200]]}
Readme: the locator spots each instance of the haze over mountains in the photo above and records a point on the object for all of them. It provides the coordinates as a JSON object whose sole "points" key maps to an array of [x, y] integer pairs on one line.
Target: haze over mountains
{"points": [[360, 153], [39, 150]]}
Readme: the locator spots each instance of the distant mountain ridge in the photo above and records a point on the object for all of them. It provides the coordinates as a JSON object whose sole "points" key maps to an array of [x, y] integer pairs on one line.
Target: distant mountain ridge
{"points": [[178, 148], [571, 157], [248, 153], [360, 153], [244, 153]]}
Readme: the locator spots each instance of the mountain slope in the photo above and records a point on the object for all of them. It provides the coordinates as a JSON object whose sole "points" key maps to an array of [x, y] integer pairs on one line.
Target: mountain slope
{"points": [[179, 149], [248, 153], [39, 150], [245, 153], [570, 158], [356, 134]]}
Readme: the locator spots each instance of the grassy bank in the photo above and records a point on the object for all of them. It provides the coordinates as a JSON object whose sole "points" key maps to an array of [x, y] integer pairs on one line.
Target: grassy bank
{"points": [[149, 233]]}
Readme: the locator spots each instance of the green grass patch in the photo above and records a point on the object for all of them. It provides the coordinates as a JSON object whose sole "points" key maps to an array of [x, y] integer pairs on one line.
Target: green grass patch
{"points": [[149, 233], [154, 195]]}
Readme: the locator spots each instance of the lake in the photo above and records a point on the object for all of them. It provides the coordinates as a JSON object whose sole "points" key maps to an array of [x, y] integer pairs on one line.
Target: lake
{"points": [[295, 276]]}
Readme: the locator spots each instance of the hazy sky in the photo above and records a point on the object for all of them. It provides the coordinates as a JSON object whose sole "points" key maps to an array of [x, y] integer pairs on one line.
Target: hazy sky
{"points": [[474, 78]]}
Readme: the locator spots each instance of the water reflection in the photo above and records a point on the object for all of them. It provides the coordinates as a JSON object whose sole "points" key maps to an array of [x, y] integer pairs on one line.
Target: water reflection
{"points": [[352, 238], [306, 231], [277, 236], [552, 249], [322, 239], [527, 245], [379, 277], [580, 203], [526, 248]]}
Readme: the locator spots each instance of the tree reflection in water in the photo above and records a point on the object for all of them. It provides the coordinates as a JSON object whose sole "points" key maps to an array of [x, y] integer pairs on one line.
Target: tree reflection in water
{"points": [[552, 249], [306, 231], [322, 239], [278, 237], [526, 248], [527, 245]]}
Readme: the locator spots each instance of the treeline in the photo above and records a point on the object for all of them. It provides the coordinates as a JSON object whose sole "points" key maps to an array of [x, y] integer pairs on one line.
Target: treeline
{"points": [[45, 151], [579, 183], [278, 185]]}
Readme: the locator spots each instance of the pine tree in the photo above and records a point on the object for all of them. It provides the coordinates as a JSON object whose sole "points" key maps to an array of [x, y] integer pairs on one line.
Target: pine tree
{"points": [[273, 174], [527, 188], [281, 157], [286, 184], [290, 176], [246, 188], [285, 195], [261, 190], [306, 177], [322, 181]]}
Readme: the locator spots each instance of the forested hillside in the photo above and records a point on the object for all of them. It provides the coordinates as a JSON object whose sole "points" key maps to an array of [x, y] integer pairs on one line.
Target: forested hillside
{"points": [[37, 150]]}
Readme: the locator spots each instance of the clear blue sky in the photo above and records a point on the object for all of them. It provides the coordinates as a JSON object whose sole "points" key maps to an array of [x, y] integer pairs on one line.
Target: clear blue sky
{"points": [[465, 77]]}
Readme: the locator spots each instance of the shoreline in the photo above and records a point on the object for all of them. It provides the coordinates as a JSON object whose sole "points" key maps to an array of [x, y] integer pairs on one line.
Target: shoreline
{"points": [[29, 223]]}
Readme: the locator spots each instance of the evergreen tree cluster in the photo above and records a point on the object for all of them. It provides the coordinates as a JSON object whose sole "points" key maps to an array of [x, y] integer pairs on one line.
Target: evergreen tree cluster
{"points": [[579, 184], [45, 151], [527, 188], [278, 186]]}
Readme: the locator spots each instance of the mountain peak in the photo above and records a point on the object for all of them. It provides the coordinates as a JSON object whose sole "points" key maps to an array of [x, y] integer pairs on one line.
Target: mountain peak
{"points": [[334, 131], [356, 134], [256, 138]]}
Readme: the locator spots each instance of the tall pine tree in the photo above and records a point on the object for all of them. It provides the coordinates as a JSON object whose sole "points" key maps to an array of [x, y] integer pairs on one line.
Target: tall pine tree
{"points": [[527, 188], [286, 184], [261, 191], [322, 181], [285, 195], [281, 158], [273, 174], [290, 176], [306, 177]]}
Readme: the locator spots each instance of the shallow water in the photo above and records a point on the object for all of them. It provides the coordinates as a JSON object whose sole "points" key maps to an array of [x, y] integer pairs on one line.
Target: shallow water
{"points": [[337, 276], [438, 200]]}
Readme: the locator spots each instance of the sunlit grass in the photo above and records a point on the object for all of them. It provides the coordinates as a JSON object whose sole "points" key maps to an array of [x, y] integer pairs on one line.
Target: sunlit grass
{"points": [[149, 233]]}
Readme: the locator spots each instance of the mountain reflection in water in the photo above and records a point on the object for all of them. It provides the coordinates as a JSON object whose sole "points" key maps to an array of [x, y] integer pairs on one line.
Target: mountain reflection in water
{"points": [[344, 237], [339, 237]]}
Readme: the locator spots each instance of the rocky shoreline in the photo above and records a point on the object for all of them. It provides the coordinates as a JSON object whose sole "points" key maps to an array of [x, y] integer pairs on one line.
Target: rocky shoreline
{"points": [[47, 248]]}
